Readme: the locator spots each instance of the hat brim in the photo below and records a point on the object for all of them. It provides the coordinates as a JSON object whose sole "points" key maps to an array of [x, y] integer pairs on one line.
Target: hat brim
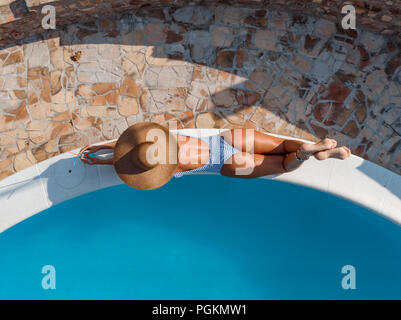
{"points": [[133, 176]]}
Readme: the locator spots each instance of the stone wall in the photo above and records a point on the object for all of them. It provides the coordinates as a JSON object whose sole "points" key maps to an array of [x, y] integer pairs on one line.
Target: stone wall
{"points": [[200, 67], [19, 19]]}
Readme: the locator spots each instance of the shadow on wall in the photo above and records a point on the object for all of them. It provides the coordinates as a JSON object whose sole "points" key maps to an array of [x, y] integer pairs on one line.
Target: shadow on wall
{"points": [[243, 79], [269, 76]]}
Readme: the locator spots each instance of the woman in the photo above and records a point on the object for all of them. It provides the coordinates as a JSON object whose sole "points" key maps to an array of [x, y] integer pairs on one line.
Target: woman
{"points": [[147, 155]]}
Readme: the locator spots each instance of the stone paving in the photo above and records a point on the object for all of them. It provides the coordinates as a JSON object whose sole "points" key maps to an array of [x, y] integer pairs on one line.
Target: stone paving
{"points": [[200, 67]]}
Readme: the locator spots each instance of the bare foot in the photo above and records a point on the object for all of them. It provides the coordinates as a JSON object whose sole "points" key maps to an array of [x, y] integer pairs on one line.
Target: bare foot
{"points": [[309, 149], [337, 153]]}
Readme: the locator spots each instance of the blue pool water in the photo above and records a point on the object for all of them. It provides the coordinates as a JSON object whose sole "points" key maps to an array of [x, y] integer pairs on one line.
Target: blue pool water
{"points": [[203, 237]]}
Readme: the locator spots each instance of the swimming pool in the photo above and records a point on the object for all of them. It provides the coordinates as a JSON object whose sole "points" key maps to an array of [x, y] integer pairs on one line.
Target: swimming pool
{"points": [[203, 237]]}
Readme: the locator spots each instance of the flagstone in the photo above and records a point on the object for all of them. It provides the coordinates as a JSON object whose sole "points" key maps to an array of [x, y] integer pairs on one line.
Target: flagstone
{"points": [[6, 139], [40, 154], [265, 39], [155, 33], [55, 82], [5, 173], [128, 106], [73, 141], [39, 111], [63, 96], [24, 160], [95, 110], [57, 58], [13, 58], [324, 28], [130, 88], [5, 164], [51, 146], [222, 36], [61, 129], [102, 88], [208, 120]]}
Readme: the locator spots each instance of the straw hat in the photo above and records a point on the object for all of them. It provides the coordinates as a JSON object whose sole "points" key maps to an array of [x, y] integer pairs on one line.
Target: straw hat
{"points": [[146, 156]]}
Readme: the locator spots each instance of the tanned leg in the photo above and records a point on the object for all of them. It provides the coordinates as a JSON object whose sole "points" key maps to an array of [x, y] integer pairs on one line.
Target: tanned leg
{"points": [[336, 153], [270, 155], [256, 142], [264, 155], [245, 165]]}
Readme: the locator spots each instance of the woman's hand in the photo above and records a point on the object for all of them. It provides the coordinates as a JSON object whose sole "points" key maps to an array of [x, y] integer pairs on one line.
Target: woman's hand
{"points": [[90, 149], [89, 160], [87, 150]]}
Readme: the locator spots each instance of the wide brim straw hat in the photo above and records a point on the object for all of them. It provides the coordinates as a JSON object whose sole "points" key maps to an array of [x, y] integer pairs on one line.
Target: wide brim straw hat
{"points": [[146, 156]]}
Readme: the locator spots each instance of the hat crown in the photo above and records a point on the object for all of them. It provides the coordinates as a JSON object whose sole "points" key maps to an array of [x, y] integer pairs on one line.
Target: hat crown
{"points": [[145, 156], [142, 157]]}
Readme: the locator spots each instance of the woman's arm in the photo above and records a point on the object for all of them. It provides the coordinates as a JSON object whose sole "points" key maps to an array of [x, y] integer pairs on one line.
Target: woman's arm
{"points": [[96, 160], [92, 149], [109, 145]]}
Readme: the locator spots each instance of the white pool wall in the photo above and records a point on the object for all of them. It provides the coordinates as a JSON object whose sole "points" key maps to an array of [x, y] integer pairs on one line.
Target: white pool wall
{"points": [[63, 177]]}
